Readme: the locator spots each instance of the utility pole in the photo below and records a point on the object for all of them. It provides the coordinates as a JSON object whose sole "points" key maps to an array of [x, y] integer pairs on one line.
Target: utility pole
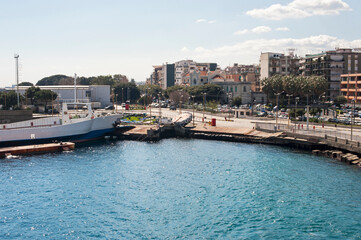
{"points": [[204, 103], [289, 112], [160, 109], [277, 94], [352, 116], [193, 110], [75, 100], [296, 100], [308, 113], [16, 56]]}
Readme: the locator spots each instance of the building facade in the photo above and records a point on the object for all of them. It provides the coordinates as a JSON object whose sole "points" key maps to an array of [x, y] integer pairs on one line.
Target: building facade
{"points": [[331, 65], [278, 64], [245, 73], [84, 93], [351, 87]]}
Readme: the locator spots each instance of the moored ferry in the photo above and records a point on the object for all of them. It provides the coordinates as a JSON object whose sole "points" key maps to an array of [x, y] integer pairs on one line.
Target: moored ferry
{"points": [[67, 128]]}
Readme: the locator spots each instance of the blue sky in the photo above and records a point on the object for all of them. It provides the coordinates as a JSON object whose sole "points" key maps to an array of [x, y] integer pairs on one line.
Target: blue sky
{"points": [[93, 38]]}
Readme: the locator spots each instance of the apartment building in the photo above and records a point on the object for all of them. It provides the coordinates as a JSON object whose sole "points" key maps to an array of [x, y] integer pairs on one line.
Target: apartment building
{"points": [[278, 64], [168, 75], [245, 73], [351, 87], [331, 65]]}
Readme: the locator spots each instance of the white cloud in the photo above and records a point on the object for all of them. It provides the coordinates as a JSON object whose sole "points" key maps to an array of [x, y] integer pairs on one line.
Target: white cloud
{"points": [[282, 29], [250, 50], [261, 29], [200, 20], [185, 49], [300, 9], [241, 32], [258, 30]]}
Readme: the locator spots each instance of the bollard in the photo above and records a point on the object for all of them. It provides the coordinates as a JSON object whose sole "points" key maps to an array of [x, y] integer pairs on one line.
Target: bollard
{"points": [[314, 127], [302, 126], [325, 136], [335, 139], [323, 125]]}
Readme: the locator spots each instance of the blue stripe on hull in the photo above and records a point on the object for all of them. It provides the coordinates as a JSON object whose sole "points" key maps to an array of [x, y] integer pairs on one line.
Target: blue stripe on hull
{"points": [[93, 135]]}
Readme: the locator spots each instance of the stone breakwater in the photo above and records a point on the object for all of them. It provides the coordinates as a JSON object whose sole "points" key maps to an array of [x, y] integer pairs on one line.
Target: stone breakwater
{"points": [[349, 158]]}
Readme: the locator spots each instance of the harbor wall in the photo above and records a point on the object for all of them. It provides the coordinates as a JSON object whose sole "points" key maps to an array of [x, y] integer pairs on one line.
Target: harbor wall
{"points": [[10, 116]]}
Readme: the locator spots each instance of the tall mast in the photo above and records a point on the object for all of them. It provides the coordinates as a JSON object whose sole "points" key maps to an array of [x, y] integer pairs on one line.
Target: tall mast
{"points": [[75, 100], [16, 56]]}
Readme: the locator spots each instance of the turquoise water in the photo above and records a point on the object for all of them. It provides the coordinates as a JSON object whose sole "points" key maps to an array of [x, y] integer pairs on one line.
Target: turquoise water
{"points": [[191, 189]]}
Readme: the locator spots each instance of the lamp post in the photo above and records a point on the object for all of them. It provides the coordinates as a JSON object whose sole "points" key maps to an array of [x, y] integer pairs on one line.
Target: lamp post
{"points": [[116, 101], [352, 115], [296, 100], [229, 103], [180, 105], [289, 102], [277, 94], [122, 96], [193, 110], [204, 102], [113, 99], [308, 113], [160, 109]]}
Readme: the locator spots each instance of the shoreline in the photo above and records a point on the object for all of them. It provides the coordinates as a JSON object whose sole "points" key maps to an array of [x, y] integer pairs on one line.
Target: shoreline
{"points": [[245, 135]]}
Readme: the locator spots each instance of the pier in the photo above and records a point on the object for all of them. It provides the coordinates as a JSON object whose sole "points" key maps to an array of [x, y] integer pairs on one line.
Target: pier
{"points": [[36, 149]]}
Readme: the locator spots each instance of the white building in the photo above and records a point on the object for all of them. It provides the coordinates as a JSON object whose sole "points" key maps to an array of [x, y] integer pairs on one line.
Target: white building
{"points": [[84, 93]]}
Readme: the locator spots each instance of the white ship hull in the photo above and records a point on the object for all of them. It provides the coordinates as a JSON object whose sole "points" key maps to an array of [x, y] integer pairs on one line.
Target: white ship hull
{"points": [[51, 129]]}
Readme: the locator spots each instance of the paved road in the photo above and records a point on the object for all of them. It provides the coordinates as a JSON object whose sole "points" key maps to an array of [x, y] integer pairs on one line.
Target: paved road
{"points": [[340, 131]]}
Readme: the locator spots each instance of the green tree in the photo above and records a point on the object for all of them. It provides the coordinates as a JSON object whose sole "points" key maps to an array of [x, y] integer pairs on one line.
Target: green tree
{"points": [[130, 92], [237, 101], [45, 96], [26, 84], [151, 90], [340, 100], [30, 93], [8, 99], [53, 80]]}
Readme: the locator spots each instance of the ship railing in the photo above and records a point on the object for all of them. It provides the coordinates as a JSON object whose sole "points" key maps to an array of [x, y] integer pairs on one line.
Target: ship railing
{"points": [[45, 122]]}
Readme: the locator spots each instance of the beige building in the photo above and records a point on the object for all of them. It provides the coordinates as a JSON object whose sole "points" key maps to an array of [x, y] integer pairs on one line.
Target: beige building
{"points": [[278, 64]]}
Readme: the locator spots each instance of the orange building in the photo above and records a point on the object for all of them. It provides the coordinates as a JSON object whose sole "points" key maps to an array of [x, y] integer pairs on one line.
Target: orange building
{"points": [[351, 86]]}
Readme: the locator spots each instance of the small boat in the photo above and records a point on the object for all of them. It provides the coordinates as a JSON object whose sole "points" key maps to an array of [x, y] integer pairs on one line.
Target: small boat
{"points": [[65, 128]]}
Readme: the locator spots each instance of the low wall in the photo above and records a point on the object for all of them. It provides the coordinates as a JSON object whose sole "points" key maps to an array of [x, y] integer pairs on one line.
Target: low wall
{"points": [[10, 116]]}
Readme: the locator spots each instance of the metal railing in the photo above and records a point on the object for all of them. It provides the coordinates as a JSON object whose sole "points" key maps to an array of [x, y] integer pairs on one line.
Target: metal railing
{"points": [[315, 131]]}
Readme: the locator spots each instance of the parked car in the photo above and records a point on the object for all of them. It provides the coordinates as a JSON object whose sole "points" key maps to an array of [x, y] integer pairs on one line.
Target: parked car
{"points": [[110, 107], [173, 107]]}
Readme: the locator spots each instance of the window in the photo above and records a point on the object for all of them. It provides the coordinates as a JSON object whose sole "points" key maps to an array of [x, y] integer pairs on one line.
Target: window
{"points": [[244, 89], [235, 88]]}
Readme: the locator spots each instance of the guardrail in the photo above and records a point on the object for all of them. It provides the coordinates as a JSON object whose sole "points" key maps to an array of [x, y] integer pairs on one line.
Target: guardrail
{"points": [[313, 131]]}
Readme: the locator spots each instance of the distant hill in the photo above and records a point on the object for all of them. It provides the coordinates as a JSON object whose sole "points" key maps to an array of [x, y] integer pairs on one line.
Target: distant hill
{"points": [[99, 80], [55, 80]]}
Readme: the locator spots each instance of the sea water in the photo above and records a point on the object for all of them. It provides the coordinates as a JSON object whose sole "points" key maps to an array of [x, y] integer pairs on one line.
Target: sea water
{"points": [[191, 189]]}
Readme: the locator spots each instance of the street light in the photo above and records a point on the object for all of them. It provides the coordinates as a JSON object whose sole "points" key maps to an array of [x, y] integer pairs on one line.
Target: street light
{"points": [[193, 109], [296, 100], [277, 94], [204, 103], [353, 101], [230, 94], [289, 102], [160, 109]]}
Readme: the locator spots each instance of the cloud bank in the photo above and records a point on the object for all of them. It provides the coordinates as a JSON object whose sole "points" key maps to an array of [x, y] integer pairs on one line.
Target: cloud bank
{"points": [[300, 9], [250, 50]]}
